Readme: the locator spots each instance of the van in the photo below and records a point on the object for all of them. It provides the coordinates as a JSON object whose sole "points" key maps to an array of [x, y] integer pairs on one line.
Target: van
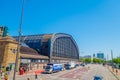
{"points": [[50, 68], [70, 65]]}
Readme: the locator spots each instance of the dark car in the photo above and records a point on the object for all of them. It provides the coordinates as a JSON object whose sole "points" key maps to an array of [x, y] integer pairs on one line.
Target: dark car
{"points": [[82, 64], [98, 77], [76, 65]]}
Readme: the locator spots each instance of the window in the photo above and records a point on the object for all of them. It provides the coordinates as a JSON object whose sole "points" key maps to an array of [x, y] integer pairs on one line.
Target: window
{"points": [[14, 50]]}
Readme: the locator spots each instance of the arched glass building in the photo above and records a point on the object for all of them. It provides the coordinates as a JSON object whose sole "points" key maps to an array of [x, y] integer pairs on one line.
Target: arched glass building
{"points": [[58, 47]]}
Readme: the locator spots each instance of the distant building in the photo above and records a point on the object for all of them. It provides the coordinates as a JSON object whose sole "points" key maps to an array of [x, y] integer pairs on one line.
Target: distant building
{"points": [[1, 31], [94, 55], [100, 55], [87, 56]]}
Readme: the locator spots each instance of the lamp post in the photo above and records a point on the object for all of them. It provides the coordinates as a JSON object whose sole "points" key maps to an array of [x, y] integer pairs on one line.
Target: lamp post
{"points": [[19, 42], [112, 57]]}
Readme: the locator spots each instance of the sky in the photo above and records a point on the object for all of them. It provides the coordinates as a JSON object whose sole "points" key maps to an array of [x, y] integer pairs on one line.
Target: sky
{"points": [[94, 24]]}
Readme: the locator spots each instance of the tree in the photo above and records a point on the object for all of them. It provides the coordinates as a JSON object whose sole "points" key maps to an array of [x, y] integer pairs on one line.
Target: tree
{"points": [[82, 60], [96, 60], [88, 60], [116, 60]]}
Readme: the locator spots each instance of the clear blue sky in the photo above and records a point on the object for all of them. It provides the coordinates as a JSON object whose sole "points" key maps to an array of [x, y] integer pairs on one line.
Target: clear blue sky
{"points": [[94, 24]]}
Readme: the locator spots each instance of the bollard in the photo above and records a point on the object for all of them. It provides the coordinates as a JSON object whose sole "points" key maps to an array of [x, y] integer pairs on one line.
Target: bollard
{"points": [[113, 69], [36, 77], [28, 78]]}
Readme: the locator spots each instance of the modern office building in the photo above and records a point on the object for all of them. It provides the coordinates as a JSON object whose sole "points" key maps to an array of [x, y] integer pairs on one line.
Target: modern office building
{"points": [[87, 56], [100, 55], [94, 55]]}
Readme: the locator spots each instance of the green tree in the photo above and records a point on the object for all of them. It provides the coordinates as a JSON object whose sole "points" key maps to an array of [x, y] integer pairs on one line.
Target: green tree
{"points": [[88, 60], [96, 60], [82, 60], [116, 60]]}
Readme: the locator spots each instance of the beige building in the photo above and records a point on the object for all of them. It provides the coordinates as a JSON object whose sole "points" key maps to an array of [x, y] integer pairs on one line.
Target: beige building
{"points": [[8, 50], [28, 57]]}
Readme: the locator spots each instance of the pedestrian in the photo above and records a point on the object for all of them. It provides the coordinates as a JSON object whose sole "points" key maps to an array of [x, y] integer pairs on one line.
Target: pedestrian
{"points": [[21, 71], [6, 76], [36, 77], [116, 71], [0, 71]]}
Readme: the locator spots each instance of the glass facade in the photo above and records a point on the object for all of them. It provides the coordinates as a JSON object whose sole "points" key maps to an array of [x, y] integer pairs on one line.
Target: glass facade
{"points": [[65, 47], [100, 55]]}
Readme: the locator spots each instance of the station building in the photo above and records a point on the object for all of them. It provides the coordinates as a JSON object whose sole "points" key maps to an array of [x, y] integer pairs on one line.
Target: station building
{"points": [[57, 47], [38, 50]]}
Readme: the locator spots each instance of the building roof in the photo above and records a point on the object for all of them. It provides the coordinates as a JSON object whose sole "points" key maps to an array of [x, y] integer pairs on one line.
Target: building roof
{"points": [[29, 56], [27, 50], [30, 53], [8, 39], [43, 43]]}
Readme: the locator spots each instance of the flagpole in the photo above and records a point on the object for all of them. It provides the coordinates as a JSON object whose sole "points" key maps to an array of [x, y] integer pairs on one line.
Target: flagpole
{"points": [[19, 42]]}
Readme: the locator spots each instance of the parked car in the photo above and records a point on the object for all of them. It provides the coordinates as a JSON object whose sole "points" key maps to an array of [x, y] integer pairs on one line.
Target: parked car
{"points": [[76, 65], [82, 64], [98, 77]]}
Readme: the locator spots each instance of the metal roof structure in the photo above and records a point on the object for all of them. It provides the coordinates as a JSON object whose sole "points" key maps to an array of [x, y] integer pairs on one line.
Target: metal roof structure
{"points": [[52, 45]]}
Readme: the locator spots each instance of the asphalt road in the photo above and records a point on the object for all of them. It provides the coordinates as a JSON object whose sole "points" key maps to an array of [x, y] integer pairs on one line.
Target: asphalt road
{"points": [[98, 70], [79, 73]]}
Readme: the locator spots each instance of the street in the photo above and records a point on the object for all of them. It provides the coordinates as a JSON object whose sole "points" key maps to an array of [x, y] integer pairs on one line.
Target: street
{"points": [[79, 73], [98, 70]]}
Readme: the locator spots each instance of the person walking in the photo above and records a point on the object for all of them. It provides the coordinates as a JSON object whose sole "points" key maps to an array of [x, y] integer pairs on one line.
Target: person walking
{"points": [[116, 72], [6, 76]]}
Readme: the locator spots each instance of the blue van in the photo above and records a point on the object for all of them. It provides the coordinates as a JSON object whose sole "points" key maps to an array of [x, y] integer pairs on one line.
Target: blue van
{"points": [[50, 68]]}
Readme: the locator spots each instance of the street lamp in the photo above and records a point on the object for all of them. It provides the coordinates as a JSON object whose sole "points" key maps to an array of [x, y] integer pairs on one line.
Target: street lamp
{"points": [[19, 43]]}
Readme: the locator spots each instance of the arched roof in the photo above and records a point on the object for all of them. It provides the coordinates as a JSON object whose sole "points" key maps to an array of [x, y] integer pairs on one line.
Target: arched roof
{"points": [[46, 38], [58, 35]]}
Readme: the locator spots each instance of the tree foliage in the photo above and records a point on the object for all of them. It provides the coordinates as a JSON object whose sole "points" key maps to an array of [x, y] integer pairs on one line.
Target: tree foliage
{"points": [[82, 59], [97, 60], [88, 60], [116, 60]]}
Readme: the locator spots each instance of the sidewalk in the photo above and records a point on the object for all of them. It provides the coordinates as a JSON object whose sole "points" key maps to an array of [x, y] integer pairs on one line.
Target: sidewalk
{"points": [[115, 72], [29, 74]]}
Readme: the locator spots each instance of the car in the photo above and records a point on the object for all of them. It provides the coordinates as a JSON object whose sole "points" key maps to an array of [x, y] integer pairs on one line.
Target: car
{"points": [[98, 77], [70, 65], [82, 64], [76, 65]]}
